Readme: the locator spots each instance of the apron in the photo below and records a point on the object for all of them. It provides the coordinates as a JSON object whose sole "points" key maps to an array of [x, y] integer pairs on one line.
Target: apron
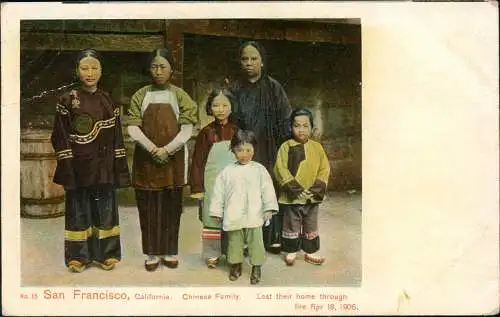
{"points": [[220, 156], [160, 115]]}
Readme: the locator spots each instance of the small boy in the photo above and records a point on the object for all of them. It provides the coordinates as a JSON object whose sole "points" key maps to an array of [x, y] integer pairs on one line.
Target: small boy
{"points": [[243, 197], [302, 170]]}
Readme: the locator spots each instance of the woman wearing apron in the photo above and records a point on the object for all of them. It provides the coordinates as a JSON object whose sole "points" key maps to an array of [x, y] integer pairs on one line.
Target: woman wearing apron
{"points": [[211, 154], [161, 119]]}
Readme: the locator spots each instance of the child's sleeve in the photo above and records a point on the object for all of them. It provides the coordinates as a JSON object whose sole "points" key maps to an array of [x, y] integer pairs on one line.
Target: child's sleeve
{"points": [[318, 188], [285, 179], [216, 208], [197, 170], [268, 194]]}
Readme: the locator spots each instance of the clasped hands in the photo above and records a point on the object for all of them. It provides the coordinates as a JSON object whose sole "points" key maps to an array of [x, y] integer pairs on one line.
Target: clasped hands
{"points": [[160, 154], [306, 195]]}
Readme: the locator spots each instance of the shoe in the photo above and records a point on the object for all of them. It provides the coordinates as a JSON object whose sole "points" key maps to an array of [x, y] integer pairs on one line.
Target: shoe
{"points": [[151, 266], [76, 266], [171, 264], [255, 276], [212, 263], [235, 271], [290, 258], [274, 248], [314, 259], [108, 264]]}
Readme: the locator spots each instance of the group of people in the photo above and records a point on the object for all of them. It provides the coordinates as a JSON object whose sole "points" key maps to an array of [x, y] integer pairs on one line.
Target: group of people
{"points": [[257, 175]]}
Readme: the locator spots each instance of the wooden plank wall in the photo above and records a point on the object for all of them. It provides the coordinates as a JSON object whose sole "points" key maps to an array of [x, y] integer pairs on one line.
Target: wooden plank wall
{"points": [[147, 35]]}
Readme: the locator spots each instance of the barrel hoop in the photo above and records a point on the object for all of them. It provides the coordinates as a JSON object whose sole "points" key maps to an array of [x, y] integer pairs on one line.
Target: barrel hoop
{"points": [[39, 201], [38, 156], [36, 141], [46, 216]]}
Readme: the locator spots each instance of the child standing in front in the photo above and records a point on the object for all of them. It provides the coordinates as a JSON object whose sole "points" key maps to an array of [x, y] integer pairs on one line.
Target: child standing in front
{"points": [[302, 170], [212, 152], [243, 198]]}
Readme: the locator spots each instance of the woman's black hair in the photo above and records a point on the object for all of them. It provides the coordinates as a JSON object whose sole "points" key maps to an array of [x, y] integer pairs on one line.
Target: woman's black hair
{"points": [[88, 52], [165, 53], [301, 112], [243, 136], [215, 92], [259, 47]]}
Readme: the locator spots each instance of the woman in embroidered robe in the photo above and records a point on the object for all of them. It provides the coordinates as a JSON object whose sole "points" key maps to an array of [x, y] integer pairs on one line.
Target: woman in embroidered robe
{"points": [[91, 164], [212, 152], [161, 118], [262, 107]]}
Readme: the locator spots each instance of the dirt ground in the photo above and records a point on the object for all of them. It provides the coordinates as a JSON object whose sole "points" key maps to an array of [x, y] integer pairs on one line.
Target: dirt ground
{"points": [[42, 251]]}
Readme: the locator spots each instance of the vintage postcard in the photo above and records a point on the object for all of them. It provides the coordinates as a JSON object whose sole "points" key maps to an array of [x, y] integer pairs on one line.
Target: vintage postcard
{"points": [[301, 158]]}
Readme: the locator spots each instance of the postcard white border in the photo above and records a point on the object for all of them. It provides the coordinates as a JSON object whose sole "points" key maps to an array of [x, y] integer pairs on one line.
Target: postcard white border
{"points": [[430, 155]]}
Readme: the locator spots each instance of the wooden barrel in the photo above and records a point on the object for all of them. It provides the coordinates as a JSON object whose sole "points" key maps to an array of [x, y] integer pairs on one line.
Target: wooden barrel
{"points": [[40, 197]]}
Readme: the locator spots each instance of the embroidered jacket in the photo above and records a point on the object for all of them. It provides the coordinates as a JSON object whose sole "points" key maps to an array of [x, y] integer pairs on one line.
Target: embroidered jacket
{"points": [[209, 135], [88, 141], [301, 166]]}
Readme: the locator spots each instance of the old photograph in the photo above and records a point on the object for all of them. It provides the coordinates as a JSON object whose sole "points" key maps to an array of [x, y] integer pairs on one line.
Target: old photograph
{"points": [[312, 158], [98, 201]]}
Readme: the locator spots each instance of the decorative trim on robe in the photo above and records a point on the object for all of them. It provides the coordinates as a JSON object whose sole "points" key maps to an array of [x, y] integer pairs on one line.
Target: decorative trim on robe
{"points": [[62, 109], [211, 234], [107, 233], [120, 153], [87, 138], [290, 235], [81, 235], [64, 154]]}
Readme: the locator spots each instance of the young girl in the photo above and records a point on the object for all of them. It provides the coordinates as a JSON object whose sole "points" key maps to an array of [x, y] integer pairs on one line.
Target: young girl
{"points": [[91, 164], [243, 196], [302, 170], [212, 152]]}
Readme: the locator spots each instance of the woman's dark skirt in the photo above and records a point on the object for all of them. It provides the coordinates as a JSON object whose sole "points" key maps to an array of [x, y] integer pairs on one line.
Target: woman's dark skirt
{"points": [[159, 216]]}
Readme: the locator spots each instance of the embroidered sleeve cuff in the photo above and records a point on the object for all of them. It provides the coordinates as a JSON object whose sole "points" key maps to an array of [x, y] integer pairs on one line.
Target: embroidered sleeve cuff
{"points": [[62, 109], [318, 189], [293, 188], [64, 154], [120, 153]]}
